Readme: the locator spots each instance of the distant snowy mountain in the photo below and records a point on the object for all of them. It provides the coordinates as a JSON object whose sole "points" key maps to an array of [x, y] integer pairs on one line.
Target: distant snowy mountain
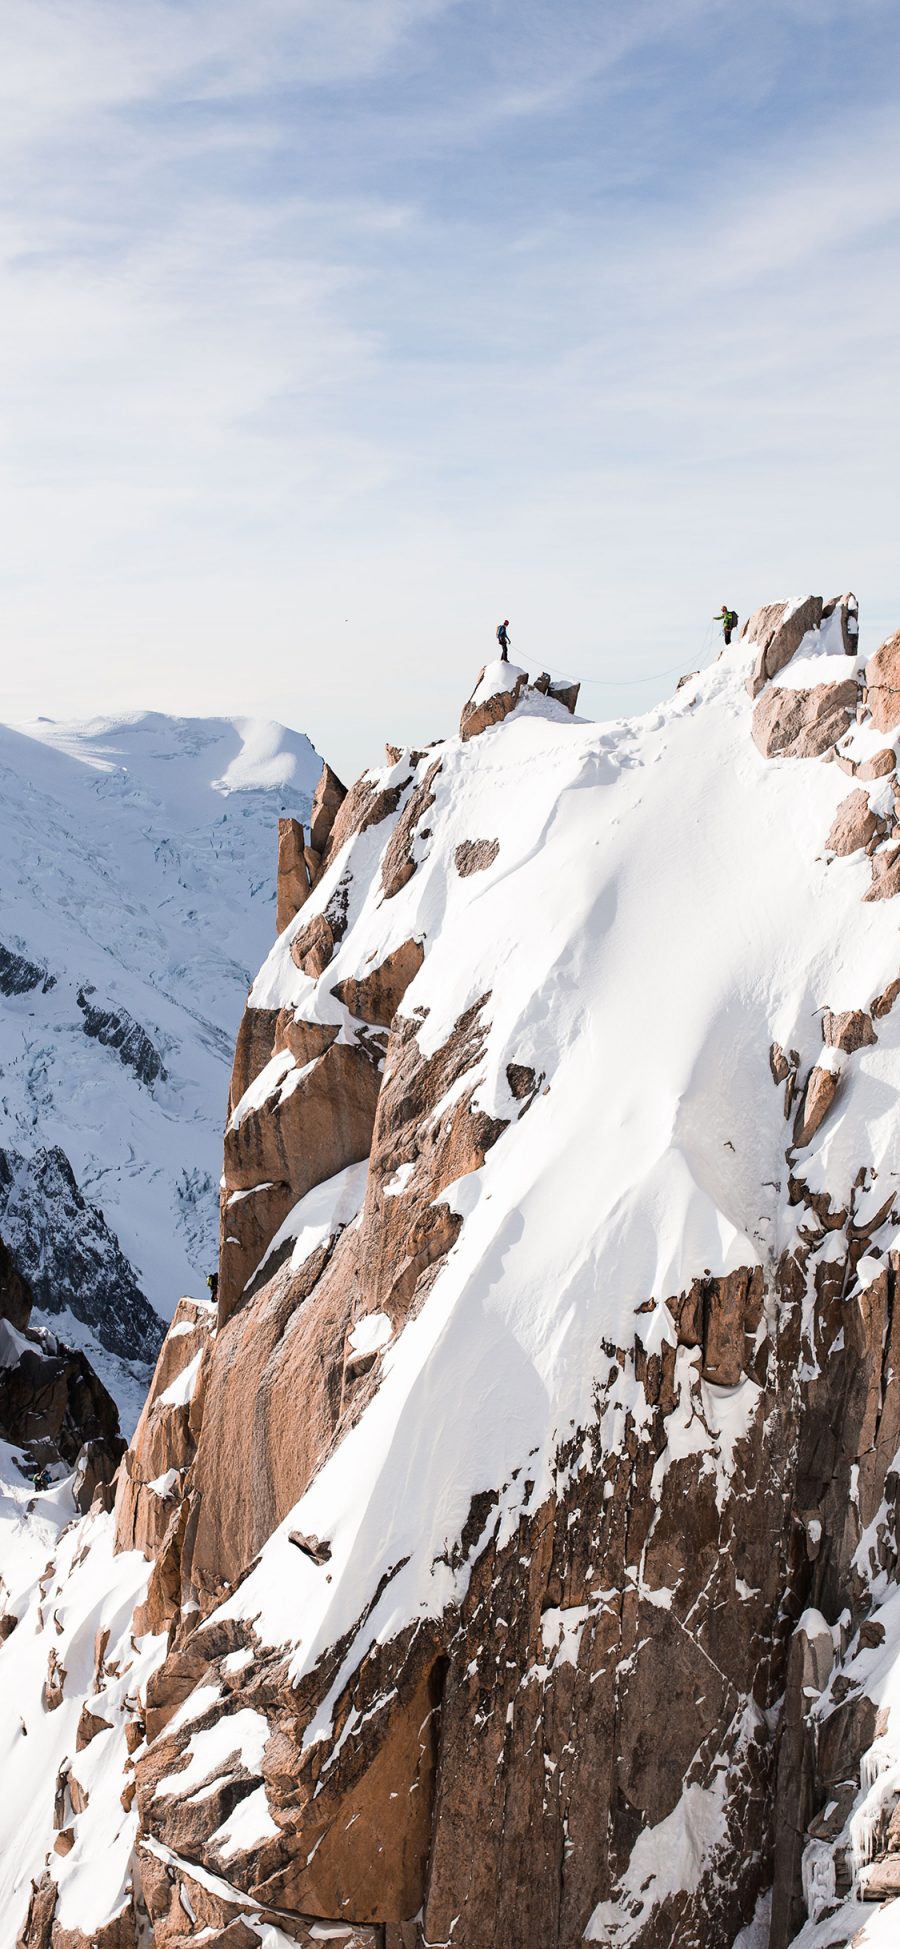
{"points": [[136, 868]]}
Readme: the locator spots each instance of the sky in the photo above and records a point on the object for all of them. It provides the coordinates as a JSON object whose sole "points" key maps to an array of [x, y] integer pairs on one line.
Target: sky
{"points": [[334, 331]]}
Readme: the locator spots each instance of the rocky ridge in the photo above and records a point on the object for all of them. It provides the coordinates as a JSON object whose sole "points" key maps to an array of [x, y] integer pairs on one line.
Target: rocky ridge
{"points": [[512, 1558]]}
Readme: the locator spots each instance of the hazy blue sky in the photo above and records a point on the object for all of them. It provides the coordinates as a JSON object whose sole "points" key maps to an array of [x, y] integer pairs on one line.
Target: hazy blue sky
{"points": [[331, 331]]}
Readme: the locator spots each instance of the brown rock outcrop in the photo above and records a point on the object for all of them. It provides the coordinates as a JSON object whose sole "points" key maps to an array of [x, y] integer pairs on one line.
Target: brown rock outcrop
{"points": [[312, 949], [399, 865], [848, 610], [328, 798], [785, 1068], [293, 886], [883, 685], [281, 1347], [721, 1316], [821, 1090], [367, 804], [376, 997], [478, 717], [317, 1119], [96, 1465], [186, 1906], [803, 723], [475, 855], [264, 1033], [565, 694], [880, 765], [777, 631], [849, 1030], [885, 874], [255, 1044], [35, 1930], [289, 1342], [559, 689], [883, 1003], [853, 826], [809, 1665], [152, 1478]]}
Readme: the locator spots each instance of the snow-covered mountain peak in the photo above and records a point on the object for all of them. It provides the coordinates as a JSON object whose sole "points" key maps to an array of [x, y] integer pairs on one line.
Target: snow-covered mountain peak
{"points": [[199, 754], [136, 899]]}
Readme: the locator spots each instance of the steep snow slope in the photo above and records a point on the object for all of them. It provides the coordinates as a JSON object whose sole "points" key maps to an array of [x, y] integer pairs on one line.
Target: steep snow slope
{"points": [[136, 873], [524, 1539], [661, 910]]}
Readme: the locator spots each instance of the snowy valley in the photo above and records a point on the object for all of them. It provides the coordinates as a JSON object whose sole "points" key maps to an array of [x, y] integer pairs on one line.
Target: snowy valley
{"points": [[509, 1558], [136, 863]]}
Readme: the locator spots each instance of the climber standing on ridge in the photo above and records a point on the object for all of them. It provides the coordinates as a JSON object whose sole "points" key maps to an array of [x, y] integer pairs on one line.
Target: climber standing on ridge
{"points": [[729, 621], [503, 640]]}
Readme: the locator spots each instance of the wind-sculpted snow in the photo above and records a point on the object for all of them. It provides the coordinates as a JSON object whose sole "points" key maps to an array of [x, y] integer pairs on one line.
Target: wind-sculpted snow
{"points": [[136, 860]]}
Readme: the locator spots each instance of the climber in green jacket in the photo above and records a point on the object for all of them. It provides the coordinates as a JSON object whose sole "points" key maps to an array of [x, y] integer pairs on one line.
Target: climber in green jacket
{"points": [[729, 621]]}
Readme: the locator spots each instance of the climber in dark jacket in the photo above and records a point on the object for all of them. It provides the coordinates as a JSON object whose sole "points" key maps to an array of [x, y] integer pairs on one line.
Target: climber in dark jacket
{"points": [[503, 640], [212, 1280], [729, 621]]}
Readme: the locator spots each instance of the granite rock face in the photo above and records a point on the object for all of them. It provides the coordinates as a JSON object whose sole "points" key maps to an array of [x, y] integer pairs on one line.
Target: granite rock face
{"points": [[293, 883], [803, 723], [854, 824], [777, 631], [497, 692], [883, 685]]}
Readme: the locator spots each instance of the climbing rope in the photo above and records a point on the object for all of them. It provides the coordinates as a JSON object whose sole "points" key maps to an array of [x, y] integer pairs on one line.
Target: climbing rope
{"points": [[616, 683], [619, 683]]}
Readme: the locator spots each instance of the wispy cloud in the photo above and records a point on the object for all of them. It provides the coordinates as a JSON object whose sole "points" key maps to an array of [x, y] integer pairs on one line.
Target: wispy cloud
{"points": [[330, 329]]}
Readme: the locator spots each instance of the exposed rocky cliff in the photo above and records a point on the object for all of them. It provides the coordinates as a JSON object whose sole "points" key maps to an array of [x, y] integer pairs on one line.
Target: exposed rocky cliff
{"points": [[511, 1559], [53, 1409], [72, 1260]]}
